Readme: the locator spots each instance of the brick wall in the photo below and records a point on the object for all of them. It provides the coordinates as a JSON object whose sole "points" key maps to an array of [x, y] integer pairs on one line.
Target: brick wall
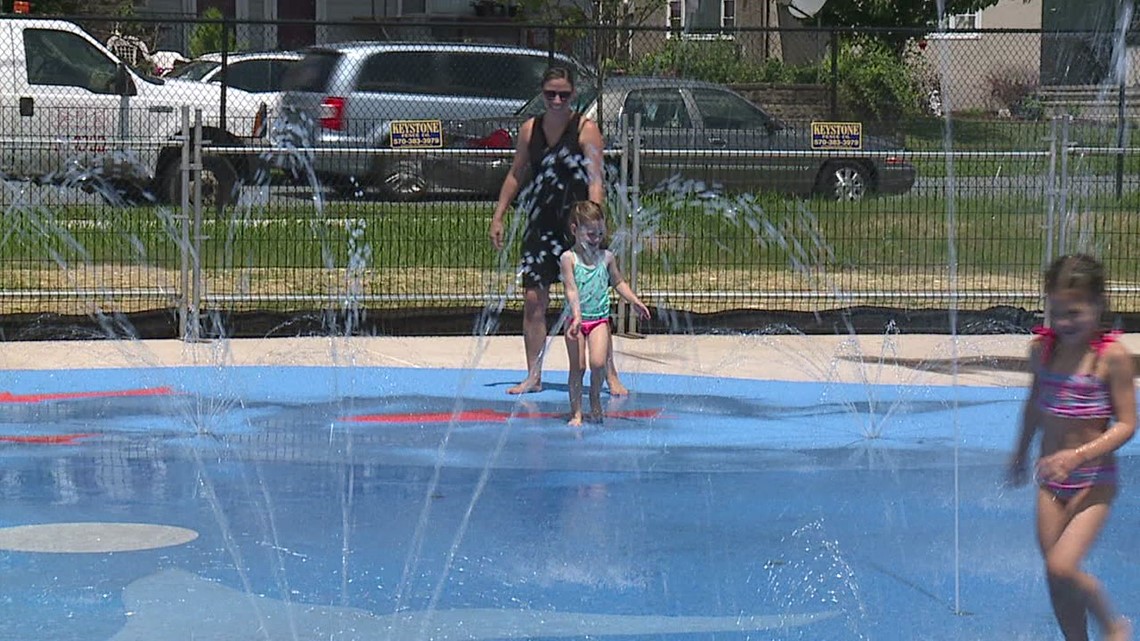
{"points": [[789, 102]]}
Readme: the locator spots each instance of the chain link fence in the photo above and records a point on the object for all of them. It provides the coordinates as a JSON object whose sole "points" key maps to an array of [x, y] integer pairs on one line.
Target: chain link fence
{"points": [[756, 181]]}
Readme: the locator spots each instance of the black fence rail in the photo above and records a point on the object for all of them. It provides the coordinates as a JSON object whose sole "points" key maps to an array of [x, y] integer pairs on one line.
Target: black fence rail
{"points": [[734, 200]]}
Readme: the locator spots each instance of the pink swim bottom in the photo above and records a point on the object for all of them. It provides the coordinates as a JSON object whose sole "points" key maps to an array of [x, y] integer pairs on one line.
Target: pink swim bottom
{"points": [[1079, 479], [589, 325]]}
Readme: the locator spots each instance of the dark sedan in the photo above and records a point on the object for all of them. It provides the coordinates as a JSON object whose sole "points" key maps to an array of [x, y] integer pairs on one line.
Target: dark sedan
{"points": [[692, 130]]}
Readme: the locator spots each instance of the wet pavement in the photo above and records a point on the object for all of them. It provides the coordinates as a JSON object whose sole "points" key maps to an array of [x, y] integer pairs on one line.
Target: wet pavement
{"points": [[381, 502]]}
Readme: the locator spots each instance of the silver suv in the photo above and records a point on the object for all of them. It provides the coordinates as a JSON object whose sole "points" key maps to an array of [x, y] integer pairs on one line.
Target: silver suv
{"points": [[341, 99]]}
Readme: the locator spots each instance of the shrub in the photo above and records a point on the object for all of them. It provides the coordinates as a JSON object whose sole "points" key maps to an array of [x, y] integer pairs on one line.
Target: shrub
{"points": [[875, 83], [1015, 89], [207, 37], [719, 61]]}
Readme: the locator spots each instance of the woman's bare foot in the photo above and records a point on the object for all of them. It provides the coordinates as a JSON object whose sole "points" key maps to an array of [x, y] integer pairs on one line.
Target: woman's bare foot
{"points": [[597, 416], [616, 387], [527, 386], [1120, 630], [575, 420]]}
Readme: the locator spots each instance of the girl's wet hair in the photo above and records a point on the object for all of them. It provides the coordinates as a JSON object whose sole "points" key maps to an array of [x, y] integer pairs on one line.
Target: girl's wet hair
{"points": [[1076, 271], [558, 73], [587, 211]]}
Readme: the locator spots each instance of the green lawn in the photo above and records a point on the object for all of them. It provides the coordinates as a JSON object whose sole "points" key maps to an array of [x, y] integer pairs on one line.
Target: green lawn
{"points": [[1004, 141], [763, 253], [894, 234]]}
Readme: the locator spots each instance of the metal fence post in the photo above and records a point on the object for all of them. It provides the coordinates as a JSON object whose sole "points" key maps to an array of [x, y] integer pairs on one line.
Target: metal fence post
{"points": [[1051, 195], [1120, 138], [1050, 210], [1063, 206], [834, 74], [225, 63], [623, 198], [634, 212], [184, 302], [196, 250]]}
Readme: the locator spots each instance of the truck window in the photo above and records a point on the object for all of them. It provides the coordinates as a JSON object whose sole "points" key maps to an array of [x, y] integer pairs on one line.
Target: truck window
{"points": [[62, 58]]}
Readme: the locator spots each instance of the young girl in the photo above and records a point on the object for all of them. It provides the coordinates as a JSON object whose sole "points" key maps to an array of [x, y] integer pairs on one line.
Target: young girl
{"points": [[588, 271], [1083, 401]]}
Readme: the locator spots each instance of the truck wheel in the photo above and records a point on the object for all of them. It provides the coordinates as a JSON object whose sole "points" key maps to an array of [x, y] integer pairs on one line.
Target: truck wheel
{"points": [[219, 182], [118, 192], [126, 194]]}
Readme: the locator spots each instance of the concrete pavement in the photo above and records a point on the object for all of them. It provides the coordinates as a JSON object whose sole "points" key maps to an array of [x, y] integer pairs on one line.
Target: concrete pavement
{"points": [[989, 360]]}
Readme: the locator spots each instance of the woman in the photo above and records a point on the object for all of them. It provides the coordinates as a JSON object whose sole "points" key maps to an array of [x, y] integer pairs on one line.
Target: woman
{"points": [[560, 152]]}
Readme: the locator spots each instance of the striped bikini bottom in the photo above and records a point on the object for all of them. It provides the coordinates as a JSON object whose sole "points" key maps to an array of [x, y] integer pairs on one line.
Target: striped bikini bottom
{"points": [[1079, 479]]}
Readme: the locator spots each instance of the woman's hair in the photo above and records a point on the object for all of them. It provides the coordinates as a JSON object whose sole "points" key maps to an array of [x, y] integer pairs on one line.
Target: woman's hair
{"points": [[586, 211], [1076, 271], [557, 73]]}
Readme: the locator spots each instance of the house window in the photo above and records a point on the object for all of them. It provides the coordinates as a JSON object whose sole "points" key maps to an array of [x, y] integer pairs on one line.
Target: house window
{"points": [[701, 15], [960, 23]]}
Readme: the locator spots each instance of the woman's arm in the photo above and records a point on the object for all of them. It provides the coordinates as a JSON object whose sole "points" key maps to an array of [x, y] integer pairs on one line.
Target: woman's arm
{"points": [[590, 138], [515, 177]]}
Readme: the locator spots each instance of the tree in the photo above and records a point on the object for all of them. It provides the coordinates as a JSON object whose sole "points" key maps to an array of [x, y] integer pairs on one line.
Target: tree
{"points": [[895, 21], [903, 14], [109, 17], [611, 22], [208, 37]]}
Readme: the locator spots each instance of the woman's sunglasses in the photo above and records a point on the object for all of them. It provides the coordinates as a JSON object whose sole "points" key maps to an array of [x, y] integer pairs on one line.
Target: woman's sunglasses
{"points": [[551, 95]]}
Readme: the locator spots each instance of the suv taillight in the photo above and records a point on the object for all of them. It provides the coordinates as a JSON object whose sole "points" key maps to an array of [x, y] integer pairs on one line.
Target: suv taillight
{"points": [[331, 113]]}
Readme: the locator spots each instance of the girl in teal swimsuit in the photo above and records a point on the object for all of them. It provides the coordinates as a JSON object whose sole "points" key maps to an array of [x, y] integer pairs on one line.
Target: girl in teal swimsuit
{"points": [[1083, 401], [588, 272]]}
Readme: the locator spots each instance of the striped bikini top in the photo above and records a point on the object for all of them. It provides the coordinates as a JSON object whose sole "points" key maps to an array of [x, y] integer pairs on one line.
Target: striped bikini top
{"points": [[1073, 395]]}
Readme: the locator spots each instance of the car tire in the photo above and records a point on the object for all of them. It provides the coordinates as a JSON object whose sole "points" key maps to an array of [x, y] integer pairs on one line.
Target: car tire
{"points": [[349, 189], [404, 181], [845, 180], [219, 183]]}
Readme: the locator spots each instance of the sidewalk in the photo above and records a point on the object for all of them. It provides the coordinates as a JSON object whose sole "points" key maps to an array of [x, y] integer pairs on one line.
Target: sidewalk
{"points": [[990, 360]]}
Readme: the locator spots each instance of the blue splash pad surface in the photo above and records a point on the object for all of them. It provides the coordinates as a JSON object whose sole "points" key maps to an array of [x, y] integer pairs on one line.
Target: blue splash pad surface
{"points": [[337, 503]]}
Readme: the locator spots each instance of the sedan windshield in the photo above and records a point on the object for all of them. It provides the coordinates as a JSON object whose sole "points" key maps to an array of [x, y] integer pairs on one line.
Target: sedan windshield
{"points": [[194, 70]]}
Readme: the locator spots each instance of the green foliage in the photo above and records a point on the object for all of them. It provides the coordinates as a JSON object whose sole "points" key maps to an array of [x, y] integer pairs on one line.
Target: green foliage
{"points": [[875, 83], [902, 14], [207, 37], [1016, 90], [719, 61]]}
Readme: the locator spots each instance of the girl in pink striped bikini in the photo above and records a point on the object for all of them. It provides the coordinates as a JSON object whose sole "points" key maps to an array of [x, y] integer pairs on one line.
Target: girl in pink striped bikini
{"points": [[1083, 401]]}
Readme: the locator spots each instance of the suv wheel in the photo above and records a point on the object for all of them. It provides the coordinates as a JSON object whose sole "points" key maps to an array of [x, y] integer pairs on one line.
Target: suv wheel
{"points": [[404, 180], [845, 180]]}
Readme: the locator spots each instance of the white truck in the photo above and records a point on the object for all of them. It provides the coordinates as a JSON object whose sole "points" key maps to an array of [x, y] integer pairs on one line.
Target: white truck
{"points": [[71, 106]]}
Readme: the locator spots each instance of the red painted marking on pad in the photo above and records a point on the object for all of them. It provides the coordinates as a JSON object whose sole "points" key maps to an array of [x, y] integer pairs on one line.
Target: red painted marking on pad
{"points": [[483, 415], [50, 439], [8, 397]]}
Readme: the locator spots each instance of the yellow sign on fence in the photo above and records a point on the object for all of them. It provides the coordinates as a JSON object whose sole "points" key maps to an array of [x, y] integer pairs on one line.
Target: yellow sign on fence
{"points": [[836, 135], [408, 134]]}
